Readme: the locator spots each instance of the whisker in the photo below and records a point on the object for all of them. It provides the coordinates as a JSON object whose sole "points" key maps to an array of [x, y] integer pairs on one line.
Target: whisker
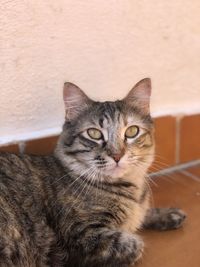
{"points": [[146, 182], [83, 183]]}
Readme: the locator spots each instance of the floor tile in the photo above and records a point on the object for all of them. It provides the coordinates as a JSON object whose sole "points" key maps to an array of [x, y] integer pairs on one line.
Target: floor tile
{"points": [[176, 248]]}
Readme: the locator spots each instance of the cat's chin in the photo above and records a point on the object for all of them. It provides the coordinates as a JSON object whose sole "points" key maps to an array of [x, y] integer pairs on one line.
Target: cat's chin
{"points": [[116, 172]]}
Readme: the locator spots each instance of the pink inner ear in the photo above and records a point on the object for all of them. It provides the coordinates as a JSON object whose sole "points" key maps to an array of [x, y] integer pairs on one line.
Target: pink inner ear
{"points": [[74, 99], [139, 96], [70, 90], [142, 93], [143, 88]]}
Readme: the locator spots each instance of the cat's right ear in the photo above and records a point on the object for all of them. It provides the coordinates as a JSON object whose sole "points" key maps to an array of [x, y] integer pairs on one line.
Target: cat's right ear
{"points": [[139, 96], [75, 100]]}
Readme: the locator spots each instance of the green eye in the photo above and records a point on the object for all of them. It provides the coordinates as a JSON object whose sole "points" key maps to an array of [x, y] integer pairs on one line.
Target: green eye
{"points": [[94, 133], [132, 131]]}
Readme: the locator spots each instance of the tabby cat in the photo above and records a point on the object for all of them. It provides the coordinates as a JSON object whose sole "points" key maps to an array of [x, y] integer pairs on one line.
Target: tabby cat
{"points": [[83, 205]]}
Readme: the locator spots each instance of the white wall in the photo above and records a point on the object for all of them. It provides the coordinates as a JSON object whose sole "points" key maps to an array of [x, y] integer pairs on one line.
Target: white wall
{"points": [[102, 46]]}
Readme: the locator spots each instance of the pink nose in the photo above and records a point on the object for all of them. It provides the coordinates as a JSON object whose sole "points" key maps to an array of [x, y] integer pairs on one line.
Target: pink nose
{"points": [[118, 156]]}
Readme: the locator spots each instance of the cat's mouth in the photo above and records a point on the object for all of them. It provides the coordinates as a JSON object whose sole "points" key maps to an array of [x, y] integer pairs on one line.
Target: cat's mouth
{"points": [[111, 168], [115, 170]]}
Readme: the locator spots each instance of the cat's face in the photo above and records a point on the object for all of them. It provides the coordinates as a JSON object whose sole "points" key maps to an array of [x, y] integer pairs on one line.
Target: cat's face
{"points": [[110, 139]]}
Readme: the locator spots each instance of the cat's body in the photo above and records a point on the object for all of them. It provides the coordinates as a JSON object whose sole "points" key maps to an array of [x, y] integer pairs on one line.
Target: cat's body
{"points": [[83, 205], [38, 206]]}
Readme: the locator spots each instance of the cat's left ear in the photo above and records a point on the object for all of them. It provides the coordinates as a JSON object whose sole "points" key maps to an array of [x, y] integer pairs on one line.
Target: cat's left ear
{"points": [[75, 100], [139, 96]]}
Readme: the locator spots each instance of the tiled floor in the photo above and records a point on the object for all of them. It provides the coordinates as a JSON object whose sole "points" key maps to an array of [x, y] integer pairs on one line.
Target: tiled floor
{"points": [[177, 248]]}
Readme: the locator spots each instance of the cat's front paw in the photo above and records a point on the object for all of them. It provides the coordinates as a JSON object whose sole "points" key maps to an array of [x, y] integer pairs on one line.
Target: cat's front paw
{"points": [[175, 218], [169, 219], [139, 248], [134, 247], [164, 218]]}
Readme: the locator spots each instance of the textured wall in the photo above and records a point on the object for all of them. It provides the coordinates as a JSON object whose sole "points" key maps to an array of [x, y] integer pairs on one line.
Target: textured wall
{"points": [[104, 47]]}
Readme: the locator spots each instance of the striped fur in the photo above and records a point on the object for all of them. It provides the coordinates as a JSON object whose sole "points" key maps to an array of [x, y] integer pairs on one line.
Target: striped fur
{"points": [[79, 207]]}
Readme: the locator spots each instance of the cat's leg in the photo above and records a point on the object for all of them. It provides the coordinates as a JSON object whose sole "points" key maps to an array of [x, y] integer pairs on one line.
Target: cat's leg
{"points": [[164, 218], [104, 247]]}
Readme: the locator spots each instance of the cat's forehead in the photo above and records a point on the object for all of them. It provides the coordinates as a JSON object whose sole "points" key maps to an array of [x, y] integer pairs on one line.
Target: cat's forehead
{"points": [[108, 114], [114, 115]]}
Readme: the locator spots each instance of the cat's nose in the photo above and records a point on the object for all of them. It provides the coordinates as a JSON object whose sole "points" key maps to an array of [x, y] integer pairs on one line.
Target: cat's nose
{"points": [[118, 156]]}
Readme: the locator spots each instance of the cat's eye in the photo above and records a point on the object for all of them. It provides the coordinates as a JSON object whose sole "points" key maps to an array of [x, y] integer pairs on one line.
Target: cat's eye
{"points": [[94, 133], [132, 131]]}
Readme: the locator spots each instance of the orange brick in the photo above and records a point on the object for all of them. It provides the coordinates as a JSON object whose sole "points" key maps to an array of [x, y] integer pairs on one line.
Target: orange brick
{"points": [[43, 146], [165, 139], [190, 138], [10, 148]]}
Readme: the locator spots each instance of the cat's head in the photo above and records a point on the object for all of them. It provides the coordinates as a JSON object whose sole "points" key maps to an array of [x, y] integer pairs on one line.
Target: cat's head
{"points": [[107, 139]]}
